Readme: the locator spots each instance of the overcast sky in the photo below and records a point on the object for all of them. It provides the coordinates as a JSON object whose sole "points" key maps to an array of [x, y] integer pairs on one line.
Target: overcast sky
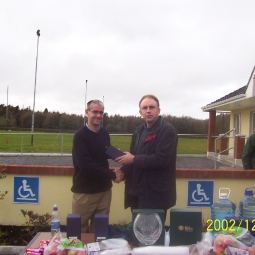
{"points": [[186, 52]]}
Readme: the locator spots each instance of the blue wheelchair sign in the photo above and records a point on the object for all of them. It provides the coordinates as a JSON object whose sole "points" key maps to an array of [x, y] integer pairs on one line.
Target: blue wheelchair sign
{"points": [[200, 193], [26, 190]]}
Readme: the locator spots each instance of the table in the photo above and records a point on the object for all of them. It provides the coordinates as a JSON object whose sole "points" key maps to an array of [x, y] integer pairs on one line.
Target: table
{"points": [[85, 237], [34, 243]]}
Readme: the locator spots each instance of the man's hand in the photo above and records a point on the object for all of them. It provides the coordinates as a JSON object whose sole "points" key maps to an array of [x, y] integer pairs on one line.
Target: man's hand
{"points": [[119, 175], [128, 158]]}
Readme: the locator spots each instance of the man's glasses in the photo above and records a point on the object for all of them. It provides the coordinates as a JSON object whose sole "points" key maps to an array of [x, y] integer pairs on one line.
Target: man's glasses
{"points": [[95, 101], [97, 112]]}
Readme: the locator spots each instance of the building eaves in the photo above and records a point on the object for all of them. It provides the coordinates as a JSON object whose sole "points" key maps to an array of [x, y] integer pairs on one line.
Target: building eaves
{"points": [[230, 97]]}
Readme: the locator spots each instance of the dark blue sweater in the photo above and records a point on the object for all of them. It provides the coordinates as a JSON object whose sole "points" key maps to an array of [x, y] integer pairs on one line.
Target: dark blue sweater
{"points": [[91, 167]]}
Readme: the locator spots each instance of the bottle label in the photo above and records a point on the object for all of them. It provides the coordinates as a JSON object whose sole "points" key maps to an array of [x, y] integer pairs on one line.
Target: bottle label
{"points": [[55, 225]]}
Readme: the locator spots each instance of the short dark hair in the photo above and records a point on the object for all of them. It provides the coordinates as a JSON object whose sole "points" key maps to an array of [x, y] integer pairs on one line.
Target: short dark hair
{"points": [[94, 101], [149, 96]]}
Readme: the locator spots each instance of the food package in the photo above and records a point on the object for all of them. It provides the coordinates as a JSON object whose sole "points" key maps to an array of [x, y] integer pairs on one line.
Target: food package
{"points": [[222, 241], [112, 246], [53, 247], [241, 234], [205, 246], [234, 251], [73, 246]]}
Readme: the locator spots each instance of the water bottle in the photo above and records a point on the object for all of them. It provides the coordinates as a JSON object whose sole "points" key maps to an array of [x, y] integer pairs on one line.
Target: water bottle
{"points": [[167, 237], [247, 205], [55, 221], [221, 209]]}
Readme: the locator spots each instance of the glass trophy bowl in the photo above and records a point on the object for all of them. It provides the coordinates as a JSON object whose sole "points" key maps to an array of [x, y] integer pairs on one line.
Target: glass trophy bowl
{"points": [[147, 228]]}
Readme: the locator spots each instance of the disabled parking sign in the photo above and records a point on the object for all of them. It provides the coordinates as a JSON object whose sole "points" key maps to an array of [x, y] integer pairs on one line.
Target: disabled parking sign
{"points": [[200, 193], [26, 190]]}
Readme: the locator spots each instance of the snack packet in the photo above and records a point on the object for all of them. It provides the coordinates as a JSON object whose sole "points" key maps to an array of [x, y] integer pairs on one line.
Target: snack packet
{"points": [[241, 234], [73, 246], [53, 247], [222, 241]]}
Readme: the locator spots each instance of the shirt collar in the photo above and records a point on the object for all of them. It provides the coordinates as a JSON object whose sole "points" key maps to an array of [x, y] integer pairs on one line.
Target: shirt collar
{"points": [[92, 129]]}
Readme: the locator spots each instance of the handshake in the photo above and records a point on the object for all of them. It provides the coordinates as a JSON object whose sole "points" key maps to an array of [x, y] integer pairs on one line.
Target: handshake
{"points": [[123, 158], [119, 175]]}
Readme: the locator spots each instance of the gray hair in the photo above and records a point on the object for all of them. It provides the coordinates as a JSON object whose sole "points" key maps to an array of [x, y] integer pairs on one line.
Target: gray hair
{"points": [[95, 101]]}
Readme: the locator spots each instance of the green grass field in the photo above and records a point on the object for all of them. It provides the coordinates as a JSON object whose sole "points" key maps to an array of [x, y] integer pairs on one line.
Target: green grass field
{"points": [[13, 141]]}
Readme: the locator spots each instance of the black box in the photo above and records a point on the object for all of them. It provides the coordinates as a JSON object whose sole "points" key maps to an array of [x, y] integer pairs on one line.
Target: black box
{"points": [[185, 226], [73, 226], [101, 226], [113, 152], [161, 214]]}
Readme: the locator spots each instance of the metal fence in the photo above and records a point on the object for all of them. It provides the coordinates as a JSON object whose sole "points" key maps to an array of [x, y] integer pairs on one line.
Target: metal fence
{"points": [[217, 152]]}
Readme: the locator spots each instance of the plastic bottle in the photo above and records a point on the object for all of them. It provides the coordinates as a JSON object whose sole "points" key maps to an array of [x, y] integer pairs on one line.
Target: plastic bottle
{"points": [[167, 238], [246, 206], [221, 209], [55, 221]]}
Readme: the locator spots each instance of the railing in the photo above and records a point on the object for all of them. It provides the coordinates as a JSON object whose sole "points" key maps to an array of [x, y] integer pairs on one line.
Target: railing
{"points": [[216, 152], [183, 135]]}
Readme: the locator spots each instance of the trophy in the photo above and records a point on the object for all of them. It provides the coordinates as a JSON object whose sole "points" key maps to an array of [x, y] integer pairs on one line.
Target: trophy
{"points": [[147, 228]]}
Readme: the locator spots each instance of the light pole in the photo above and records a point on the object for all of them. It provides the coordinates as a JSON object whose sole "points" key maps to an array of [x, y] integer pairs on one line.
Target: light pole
{"points": [[85, 104], [33, 114], [7, 108]]}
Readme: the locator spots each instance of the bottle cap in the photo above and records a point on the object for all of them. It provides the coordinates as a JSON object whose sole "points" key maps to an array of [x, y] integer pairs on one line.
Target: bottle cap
{"points": [[223, 195], [248, 192]]}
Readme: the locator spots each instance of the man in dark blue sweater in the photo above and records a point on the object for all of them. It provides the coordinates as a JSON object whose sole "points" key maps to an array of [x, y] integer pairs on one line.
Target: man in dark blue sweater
{"points": [[92, 180]]}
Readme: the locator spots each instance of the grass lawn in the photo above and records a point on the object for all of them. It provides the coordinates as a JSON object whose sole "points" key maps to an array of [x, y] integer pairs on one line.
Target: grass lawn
{"points": [[14, 141], [192, 146]]}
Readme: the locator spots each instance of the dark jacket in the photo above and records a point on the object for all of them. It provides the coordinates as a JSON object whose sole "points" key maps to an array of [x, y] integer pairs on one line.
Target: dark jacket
{"points": [[248, 156], [91, 167], [152, 175]]}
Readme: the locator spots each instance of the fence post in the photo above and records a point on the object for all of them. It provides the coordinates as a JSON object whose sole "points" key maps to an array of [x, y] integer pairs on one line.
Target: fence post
{"points": [[22, 138], [211, 134], [223, 146], [62, 143]]}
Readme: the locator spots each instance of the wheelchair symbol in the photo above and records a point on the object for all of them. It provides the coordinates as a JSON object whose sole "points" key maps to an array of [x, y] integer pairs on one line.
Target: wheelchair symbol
{"points": [[199, 195], [26, 190]]}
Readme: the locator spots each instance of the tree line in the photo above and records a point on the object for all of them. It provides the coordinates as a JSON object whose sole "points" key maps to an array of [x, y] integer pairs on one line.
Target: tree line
{"points": [[15, 118]]}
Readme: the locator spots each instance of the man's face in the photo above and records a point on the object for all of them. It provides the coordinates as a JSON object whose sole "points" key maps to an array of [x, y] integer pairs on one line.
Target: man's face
{"points": [[95, 115], [149, 110]]}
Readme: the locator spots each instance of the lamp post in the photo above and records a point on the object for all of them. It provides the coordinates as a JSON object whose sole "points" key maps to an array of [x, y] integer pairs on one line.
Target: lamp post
{"points": [[85, 104], [33, 114], [7, 108]]}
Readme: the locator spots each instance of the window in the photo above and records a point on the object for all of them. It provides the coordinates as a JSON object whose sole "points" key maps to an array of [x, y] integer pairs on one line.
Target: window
{"points": [[237, 123], [252, 121]]}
